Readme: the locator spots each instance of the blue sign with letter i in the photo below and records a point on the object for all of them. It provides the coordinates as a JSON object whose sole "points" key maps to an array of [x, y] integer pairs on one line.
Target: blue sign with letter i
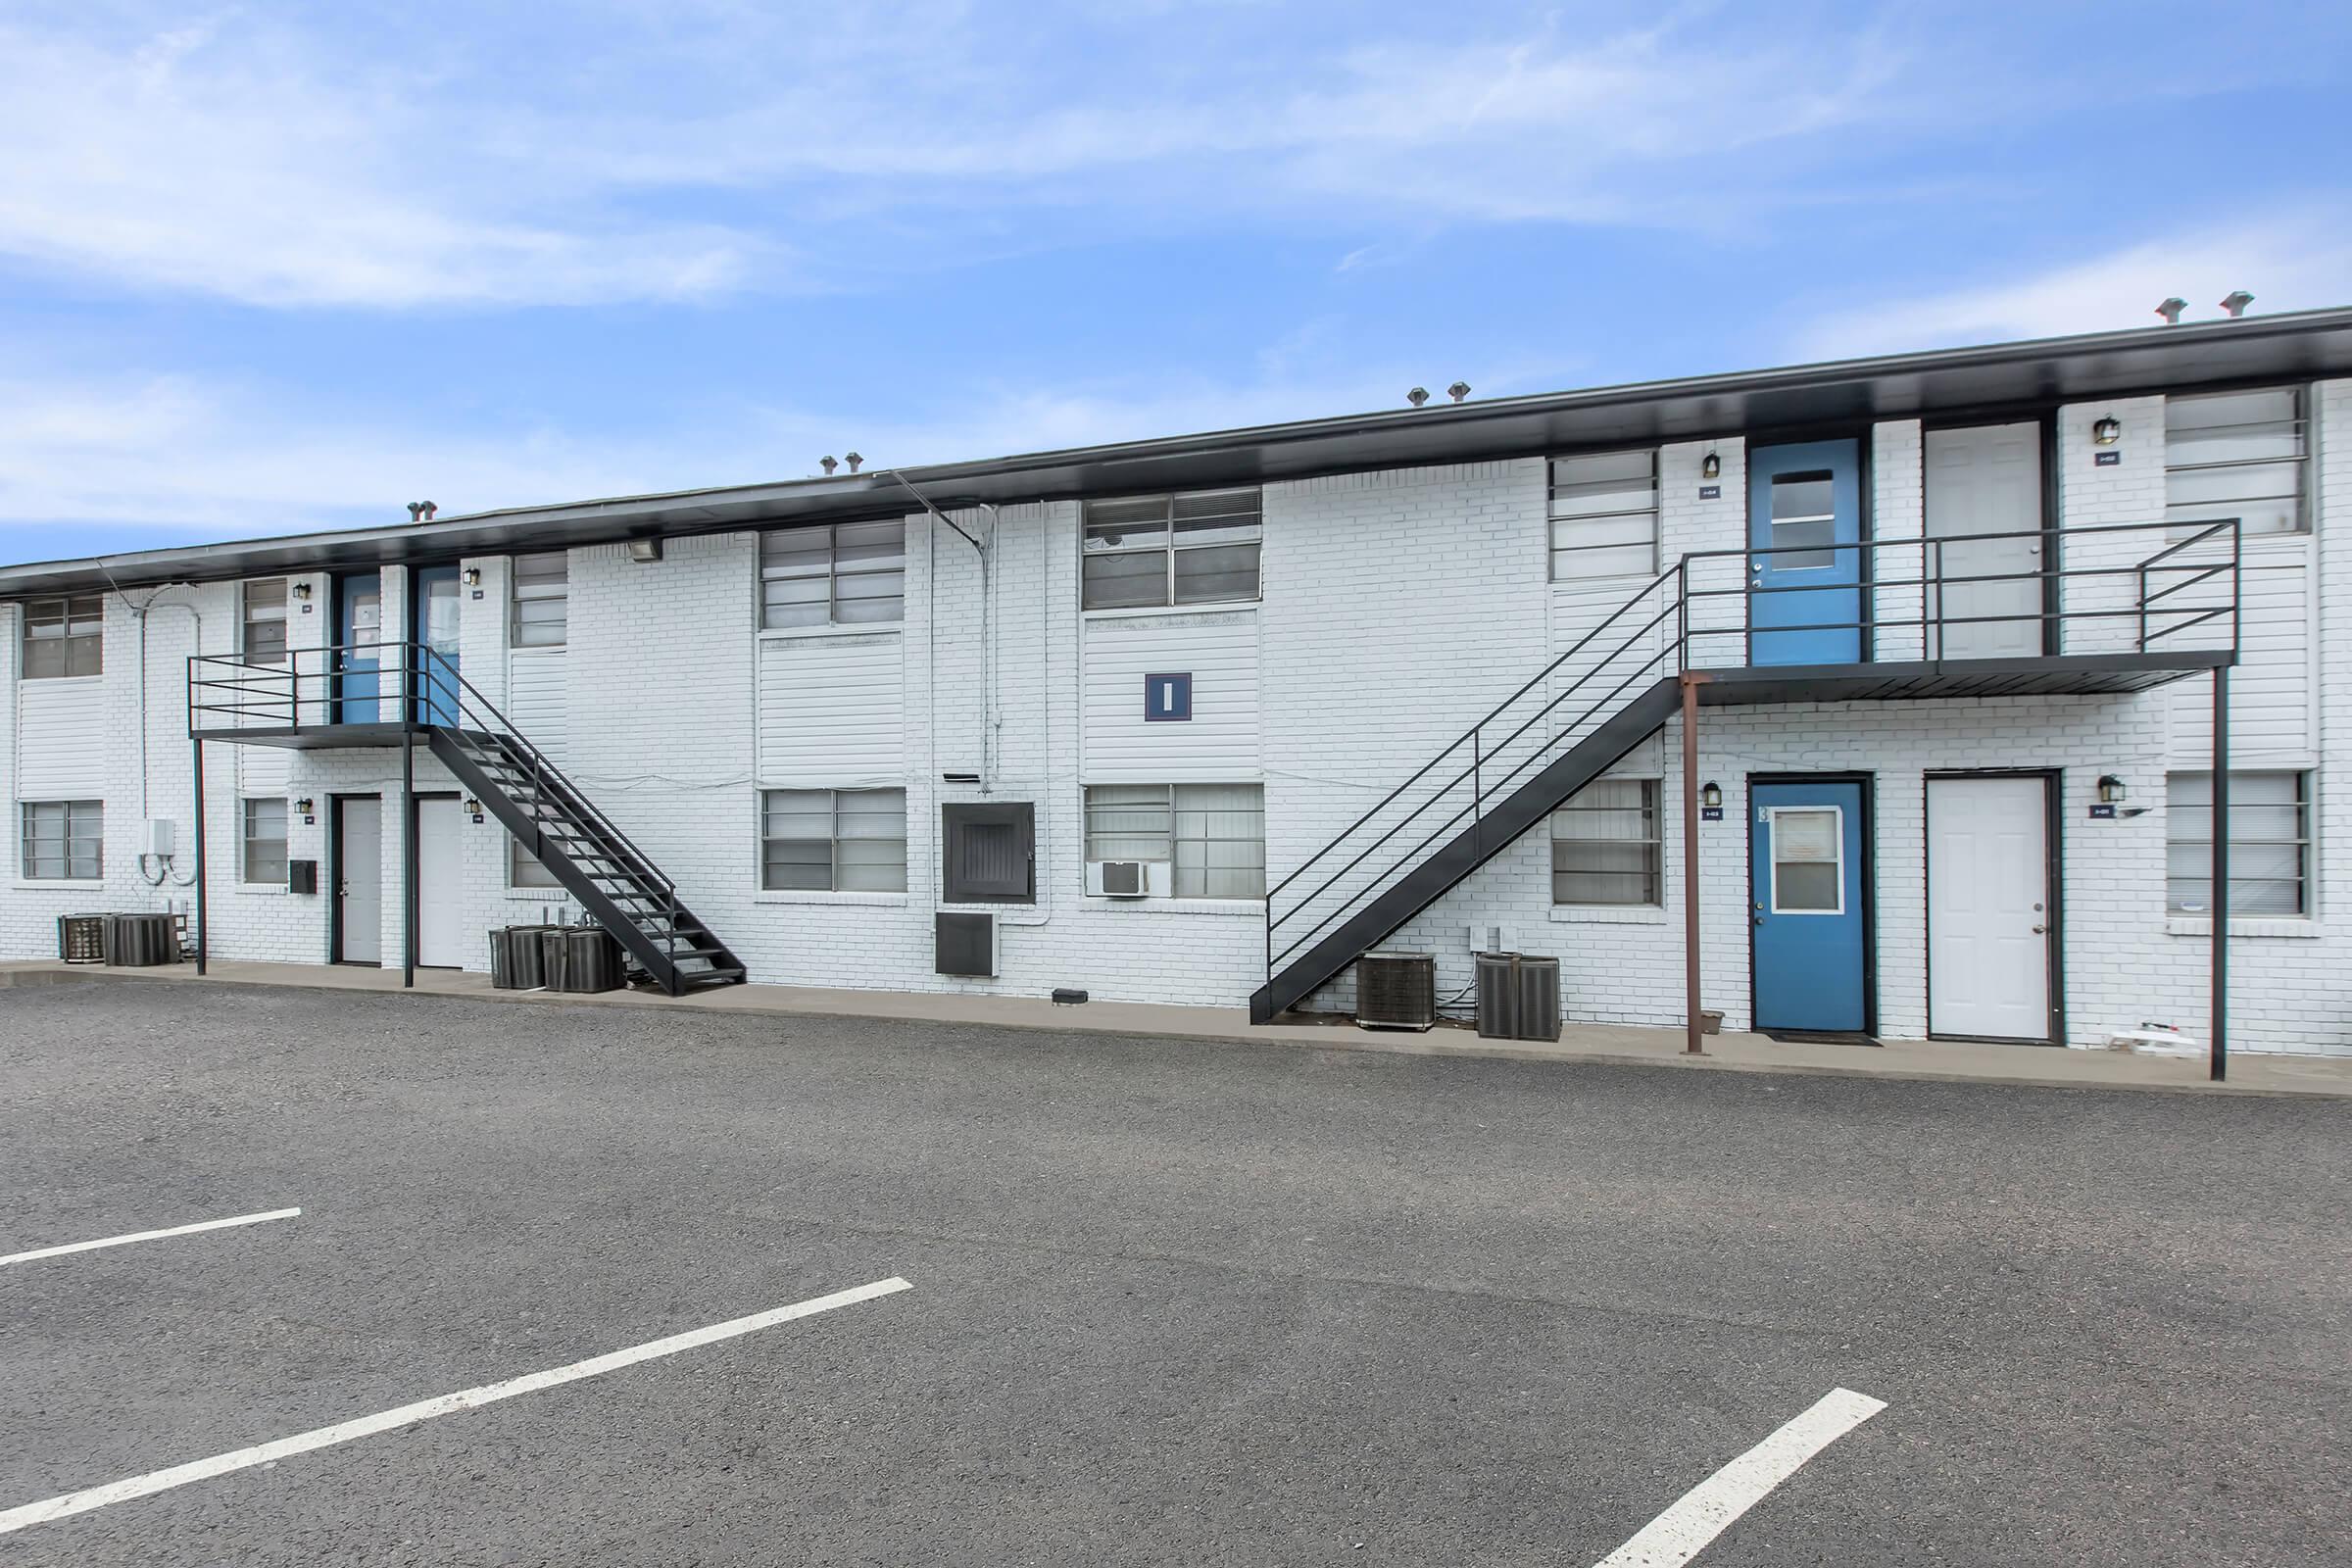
{"points": [[1167, 698]]}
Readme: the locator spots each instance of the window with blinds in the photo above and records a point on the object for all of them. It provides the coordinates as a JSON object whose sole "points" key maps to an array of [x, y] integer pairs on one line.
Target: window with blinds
{"points": [[1196, 549], [539, 599], [63, 636], [1604, 516], [2270, 844], [525, 870], [2243, 454], [1607, 846], [837, 840], [1213, 834], [64, 839], [847, 574], [262, 622], [264, 842]]}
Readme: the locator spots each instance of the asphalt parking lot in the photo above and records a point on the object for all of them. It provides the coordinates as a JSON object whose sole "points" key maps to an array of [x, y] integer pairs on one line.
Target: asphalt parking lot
{"points": [[1165, 1301]]}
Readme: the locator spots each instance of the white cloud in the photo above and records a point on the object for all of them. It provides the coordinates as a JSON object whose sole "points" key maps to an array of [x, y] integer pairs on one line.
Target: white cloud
{"points": [[2288, 263]]}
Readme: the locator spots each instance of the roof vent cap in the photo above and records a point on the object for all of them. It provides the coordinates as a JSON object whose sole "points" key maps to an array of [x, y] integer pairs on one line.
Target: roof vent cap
{"points": [[856, 461], [2235, 305], [2171, 310], [1458, 391], [1417, 396], [422, 511], [828, 462]]}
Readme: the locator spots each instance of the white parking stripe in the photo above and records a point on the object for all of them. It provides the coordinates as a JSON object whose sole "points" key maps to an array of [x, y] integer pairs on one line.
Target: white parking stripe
{"points": [[73, 1502], [1707, 1509], [147, 1236]]}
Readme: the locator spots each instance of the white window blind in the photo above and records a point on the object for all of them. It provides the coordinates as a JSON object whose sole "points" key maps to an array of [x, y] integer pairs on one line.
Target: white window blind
{"points": [[1606, 845], [540, 598], [2239, 454], [1604, 516], [2270, 844]]}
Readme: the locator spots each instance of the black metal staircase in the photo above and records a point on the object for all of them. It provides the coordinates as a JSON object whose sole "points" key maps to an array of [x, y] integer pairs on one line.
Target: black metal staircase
{"points": [[388, 694], [2128, 623]]}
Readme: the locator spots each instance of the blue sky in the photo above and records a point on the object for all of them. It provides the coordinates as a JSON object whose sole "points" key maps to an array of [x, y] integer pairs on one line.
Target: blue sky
{"points": [[265, 268]]}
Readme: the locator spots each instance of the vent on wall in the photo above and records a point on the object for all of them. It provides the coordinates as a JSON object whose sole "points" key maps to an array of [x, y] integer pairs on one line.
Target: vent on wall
{"points": [[1397, 990]]}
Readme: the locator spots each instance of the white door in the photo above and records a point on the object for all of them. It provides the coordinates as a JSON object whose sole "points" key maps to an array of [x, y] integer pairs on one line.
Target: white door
{"points": [[1989, 876], [1984, 480], [359, 880], [440, 883]]}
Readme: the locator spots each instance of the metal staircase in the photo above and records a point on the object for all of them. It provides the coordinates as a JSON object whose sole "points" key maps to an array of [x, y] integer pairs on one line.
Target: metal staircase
{"points": [[2130, 622], [314, 700]]}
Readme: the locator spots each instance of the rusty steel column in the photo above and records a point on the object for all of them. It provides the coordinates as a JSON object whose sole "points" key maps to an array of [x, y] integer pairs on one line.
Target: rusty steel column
{"points": [[1691, 685]]}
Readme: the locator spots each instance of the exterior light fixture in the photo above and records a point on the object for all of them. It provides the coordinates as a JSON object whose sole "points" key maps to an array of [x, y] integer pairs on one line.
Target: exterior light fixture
{"points": [[645, 550], [473, 576], [2111, 790], [301, 588], [302, 808], [1710, 794], [1710, 467], [2107, 431], [472, 807]]}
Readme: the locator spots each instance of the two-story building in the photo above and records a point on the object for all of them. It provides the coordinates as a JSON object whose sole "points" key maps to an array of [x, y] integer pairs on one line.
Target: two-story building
{"points": [[1919, 656]]}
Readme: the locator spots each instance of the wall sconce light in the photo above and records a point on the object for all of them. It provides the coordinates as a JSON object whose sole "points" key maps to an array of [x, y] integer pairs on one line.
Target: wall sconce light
{"points": [[301, 588], [473, 576], [644, 552], [472, 807], [1710, 795], [2107, 431], [2111, 790], [302, 808], [1710, 467]]}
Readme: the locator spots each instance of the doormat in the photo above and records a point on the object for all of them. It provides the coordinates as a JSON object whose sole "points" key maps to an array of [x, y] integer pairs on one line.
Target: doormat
{"points": [[1815, 1037]]}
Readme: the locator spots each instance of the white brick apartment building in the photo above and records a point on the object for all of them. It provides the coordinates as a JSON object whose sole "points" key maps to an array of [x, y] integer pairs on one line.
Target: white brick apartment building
{"points": [[1959, 618]]}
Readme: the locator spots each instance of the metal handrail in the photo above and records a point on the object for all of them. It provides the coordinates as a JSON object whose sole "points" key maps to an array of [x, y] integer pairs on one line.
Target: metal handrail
{"points": [[1491, 774]]}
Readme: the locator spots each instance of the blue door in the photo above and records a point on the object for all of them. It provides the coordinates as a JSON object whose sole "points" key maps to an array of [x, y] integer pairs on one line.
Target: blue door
{"points": [[1803, 503], [358, 627], [436, 637], [1806, 869]]}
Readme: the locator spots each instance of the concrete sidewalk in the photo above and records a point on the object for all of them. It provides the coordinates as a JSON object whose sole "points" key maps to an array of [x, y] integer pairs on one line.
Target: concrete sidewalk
{"points": [[1934, 1061]]}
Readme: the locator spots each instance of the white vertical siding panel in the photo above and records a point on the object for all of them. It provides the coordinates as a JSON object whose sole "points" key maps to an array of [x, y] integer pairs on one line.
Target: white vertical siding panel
{"points": [[61, 740], [832, 711], [1218, 743], [536, 700], [2270, 690]]}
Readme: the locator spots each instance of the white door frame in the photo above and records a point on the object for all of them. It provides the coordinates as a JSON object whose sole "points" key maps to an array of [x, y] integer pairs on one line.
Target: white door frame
{"points": [[2053, 910]]}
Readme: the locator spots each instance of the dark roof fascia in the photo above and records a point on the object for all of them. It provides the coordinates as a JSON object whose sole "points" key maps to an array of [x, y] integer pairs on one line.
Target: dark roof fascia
{"points": [[2033, 374]]}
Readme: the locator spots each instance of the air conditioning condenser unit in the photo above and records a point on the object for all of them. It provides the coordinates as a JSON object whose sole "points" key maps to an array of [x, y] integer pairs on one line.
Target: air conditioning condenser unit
{"points": [[1397, 990]]}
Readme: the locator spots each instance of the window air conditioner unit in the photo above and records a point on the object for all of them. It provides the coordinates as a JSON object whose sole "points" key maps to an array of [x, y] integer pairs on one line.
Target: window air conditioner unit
{"points": [[1128, 879], [1397, 990]]}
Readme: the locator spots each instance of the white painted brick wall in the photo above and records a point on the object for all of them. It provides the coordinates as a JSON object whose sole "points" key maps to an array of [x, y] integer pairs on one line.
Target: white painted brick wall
{"points": [[1398, 607]]}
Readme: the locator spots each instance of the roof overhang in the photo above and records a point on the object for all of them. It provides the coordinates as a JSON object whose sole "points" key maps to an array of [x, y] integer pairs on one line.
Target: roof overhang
{"points": [[2007, 376]]}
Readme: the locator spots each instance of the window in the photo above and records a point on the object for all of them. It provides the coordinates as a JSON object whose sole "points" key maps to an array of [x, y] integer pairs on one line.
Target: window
{"points": [[65, 840], [850, 574], [1808, 860], [263, 620], [1215, 834], [838, 840], [540, 590], [2236, 454], [523, 869], [63, 636], [1604, 516], [1606, 845], [989, 852], [2270, 844], [1198, 549], [266, 842], [1804, 521]]}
